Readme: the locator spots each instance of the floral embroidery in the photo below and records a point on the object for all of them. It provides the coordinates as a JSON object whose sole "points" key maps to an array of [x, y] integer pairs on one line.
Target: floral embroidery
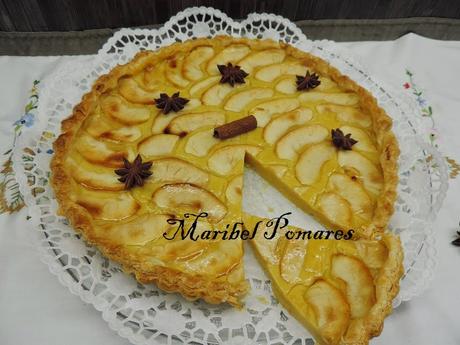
{"points": [[11, 199], [427, 111]]}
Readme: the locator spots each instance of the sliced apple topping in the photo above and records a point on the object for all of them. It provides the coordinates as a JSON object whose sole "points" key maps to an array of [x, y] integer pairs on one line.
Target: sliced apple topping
{"points": [[278, 126], [232, 53], [185, 124], [238, 101], [158, 145], [123, 111], [291, 262], [335, 98], [190, 198], [132, 92], [174, 170], [292, 143], [360, 288], [107, 205], [173, 71], [162, 121], [262, 58], [225, 158], [331, 310], [234, 190], [362, 169], [96, 124], [98, 152], [353, 192], [272, 72], [203, 85], [197, 57], [267, 249], [364, 141], [346, 114], [141, 230], [216, 94], [199, 144], [264, 111], [336, 209], [308, 167], [94, 177], [124, 134]]}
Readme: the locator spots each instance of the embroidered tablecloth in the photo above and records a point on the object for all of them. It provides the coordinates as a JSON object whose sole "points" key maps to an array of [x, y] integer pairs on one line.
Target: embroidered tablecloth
{"points": [[36, 309]]}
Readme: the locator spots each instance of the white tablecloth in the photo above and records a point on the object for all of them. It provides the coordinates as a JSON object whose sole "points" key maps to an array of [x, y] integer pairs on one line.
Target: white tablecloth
{"points": [[36, 309]]}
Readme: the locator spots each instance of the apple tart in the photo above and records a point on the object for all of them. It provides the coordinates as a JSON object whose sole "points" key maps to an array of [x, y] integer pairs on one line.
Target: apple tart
{"points": [[164, 138]]}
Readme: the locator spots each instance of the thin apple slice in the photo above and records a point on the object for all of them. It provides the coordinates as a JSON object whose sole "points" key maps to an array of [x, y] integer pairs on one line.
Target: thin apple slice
{"points": [[189, 198], [324, 97], [361, 168], [267, 249], [353, 192], [272, 72], [174, 170], [291, 263], [123, 111], [94, 177], [308, 167], [360, 289], [216, 94], [132, 92], [331, 310], [98, 152], [264, 111], [162, 121], [107, 205], [238, 101], [234, 190], [199, 144], [158, 145], [201, 86], [336, 209], [141, 230], [292, 143], [278, 126], [346, 114], [187, 123], [194, 60], [364, 141], [225, 158], [232, 53], [124, 134], [173, 71], [262, 58]]}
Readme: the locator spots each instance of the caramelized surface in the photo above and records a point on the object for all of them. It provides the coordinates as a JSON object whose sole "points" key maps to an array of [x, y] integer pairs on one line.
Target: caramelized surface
{"points": [[194, 172]]}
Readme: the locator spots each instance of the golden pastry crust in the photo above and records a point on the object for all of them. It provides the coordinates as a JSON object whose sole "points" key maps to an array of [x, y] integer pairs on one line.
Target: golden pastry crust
{"points": [[190, 285]]}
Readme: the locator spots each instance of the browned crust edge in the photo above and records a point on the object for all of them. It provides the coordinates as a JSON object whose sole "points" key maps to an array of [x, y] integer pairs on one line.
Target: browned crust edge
{"points": [[387, 287], [166, 278]]}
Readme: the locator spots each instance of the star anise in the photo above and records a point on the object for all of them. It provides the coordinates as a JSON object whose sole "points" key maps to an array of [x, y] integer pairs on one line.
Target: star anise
{"points": [[232, 74], [133, 174], [307, 82], [341, 140], [168, 103]]}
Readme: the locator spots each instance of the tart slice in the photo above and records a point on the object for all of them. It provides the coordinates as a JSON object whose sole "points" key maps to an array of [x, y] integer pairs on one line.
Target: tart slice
{"points": [[340, 290]]}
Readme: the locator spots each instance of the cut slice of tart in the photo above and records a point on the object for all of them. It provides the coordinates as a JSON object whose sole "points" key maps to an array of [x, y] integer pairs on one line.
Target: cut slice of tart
{"points": [[140, 151], [340, 290]]}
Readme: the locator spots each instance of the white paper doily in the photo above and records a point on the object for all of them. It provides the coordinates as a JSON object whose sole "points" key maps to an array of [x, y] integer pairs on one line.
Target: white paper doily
{"points": [[146, 315]]}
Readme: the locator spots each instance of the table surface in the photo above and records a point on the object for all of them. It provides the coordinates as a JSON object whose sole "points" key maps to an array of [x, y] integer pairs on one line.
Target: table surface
{"points": [[35, 307]]}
